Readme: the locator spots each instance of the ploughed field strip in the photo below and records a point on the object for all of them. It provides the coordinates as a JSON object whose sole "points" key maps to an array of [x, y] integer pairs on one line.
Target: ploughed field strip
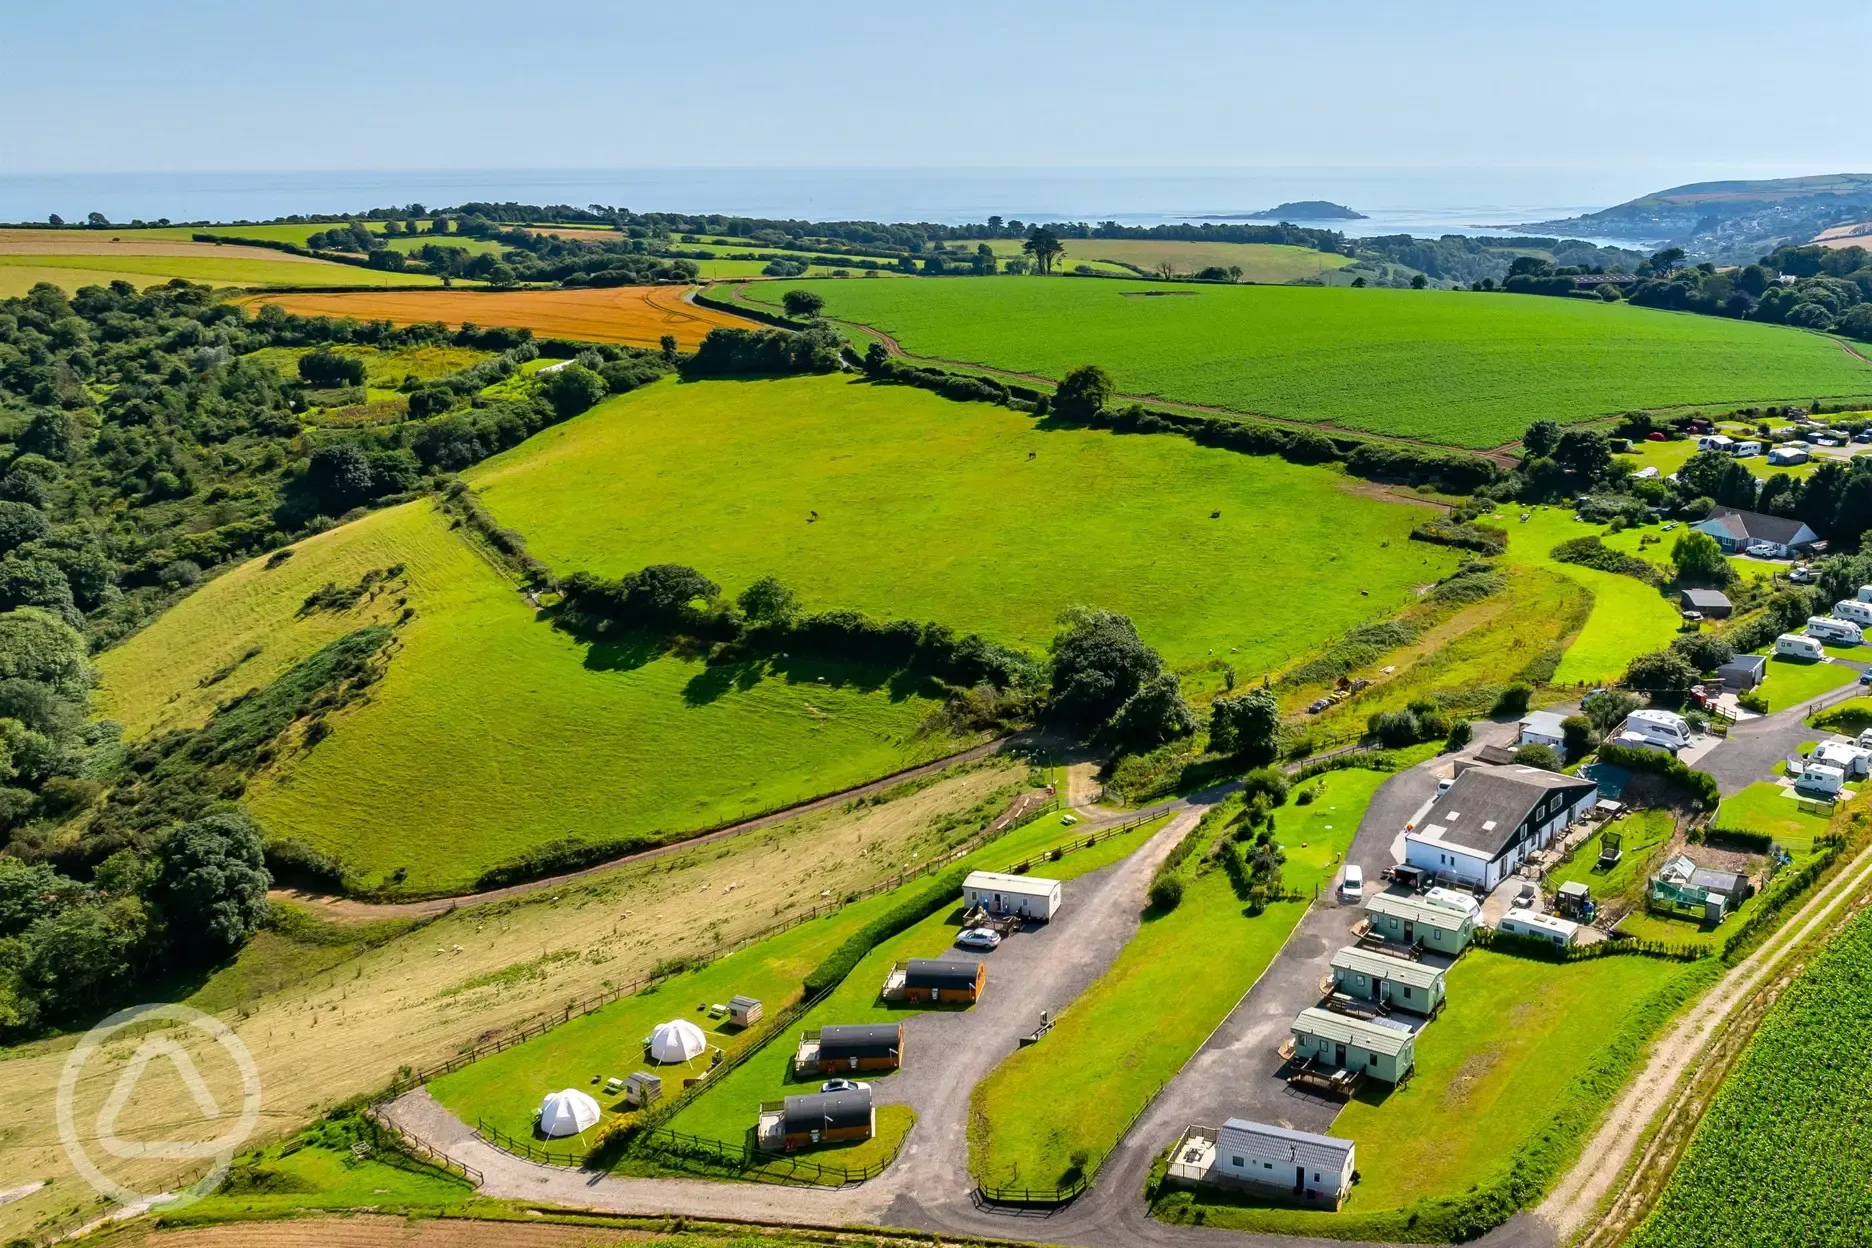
{"points": [[1460, 368]]}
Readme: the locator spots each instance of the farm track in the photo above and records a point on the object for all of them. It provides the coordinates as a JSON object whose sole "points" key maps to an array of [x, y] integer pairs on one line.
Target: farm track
{"points": [[349, 910], [1499, 454]]}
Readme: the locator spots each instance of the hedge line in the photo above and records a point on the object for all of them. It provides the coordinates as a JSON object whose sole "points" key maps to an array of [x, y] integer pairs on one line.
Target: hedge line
{"points": [[1484, 539], [839, 963], [1542, 950], [1782, 890]]}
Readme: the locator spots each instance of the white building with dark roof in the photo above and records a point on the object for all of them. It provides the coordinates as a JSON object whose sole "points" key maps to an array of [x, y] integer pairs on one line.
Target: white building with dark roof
{"points": [[1737, 530], [1492, 818]]}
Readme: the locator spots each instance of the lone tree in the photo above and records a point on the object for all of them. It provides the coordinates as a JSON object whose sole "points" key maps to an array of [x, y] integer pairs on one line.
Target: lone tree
{"points": [[1099, 663], [1044, 246], [212, 874], [1698, 557], [1083, 393], [1156, 713], [807, 303], [1247, 725]]}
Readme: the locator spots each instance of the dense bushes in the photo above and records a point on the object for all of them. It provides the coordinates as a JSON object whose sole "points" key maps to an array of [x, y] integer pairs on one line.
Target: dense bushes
{"points": [[1592, 553], [749, 352], [1422, 720], [1483, 538]]}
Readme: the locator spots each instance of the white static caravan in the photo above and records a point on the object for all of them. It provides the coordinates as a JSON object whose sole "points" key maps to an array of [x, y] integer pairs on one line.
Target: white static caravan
{"points": [[1853, 610], [1519, 922], [1865, 593], [1450, 899], [1311, 1167], [1795, 646], [1025, 895], [1839, 632]]}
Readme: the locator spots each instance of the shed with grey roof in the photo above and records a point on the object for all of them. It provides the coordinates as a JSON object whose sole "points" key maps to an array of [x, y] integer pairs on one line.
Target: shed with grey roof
{"points": [[1272, 1161], [1378, 1048], [1396, 982], [1711, 604]]}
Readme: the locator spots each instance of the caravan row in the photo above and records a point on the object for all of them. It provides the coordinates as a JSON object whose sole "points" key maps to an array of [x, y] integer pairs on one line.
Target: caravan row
{"points": [[1718, 442]]}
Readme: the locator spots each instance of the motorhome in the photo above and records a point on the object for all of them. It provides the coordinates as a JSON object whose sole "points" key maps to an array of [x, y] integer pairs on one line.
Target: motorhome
{"points": [[1665, 727], [1839, 632], [1857, 612], [1795, 646]]}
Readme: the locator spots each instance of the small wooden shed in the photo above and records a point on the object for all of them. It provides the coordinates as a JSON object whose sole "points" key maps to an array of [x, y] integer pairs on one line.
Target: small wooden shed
{"points": [[743, 1011]]}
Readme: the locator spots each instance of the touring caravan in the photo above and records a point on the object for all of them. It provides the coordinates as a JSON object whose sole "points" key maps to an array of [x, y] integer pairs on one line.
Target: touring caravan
{"points": [[1667, 728], [1795, 646], [1853, 610], [1865, 593], [1839, 632], [1745, 450]]}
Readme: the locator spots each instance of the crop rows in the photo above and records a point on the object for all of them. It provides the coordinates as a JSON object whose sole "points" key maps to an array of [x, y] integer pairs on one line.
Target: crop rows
{"points": [[1784, 1156]]}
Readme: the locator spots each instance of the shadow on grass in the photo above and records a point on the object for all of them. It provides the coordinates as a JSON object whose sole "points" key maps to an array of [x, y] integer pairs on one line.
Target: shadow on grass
{"points": [[744, 672]]}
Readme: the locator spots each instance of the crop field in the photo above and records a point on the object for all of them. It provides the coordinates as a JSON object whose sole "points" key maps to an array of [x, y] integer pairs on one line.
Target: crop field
{"points": [[1458, 368], [1509, 1075], [1173, 984], [616, 743], [20, 273], [1783, 1155], [332, 1012], [634, 315], [899, 503], [141, 243]]}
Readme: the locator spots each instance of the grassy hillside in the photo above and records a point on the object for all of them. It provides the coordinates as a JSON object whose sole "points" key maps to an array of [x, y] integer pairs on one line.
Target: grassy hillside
{"points": [[967, 514], [18, 272], [1467, 369], [492, 734]]}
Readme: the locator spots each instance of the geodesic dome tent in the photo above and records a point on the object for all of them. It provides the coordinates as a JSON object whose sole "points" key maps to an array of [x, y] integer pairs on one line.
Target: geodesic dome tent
{"points": [[678, 1040], [567, 1112]]}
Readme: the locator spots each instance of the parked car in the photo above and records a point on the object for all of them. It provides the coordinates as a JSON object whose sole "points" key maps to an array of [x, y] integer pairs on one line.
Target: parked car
{"points": [[1865, 677], [1352, 887], [1669, 525], [1761, 550], [1656, 437], [979, 938], [1801, 574], [843, 1085]]}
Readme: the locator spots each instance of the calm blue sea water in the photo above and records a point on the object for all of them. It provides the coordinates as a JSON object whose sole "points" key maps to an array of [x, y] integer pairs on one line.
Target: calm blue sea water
{"points": [[1416, 201]]}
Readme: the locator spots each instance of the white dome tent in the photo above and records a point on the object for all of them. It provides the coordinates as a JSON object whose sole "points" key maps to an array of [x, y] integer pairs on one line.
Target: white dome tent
{"points": [[567, 1112], [678, 1040]]}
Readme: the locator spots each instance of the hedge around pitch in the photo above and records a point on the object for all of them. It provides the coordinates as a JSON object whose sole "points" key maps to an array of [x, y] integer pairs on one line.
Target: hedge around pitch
{"points": [[1454, 367]]}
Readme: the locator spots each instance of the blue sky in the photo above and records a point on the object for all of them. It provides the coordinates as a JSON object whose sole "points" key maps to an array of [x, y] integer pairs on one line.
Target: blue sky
{"points": [[1666, 90]]}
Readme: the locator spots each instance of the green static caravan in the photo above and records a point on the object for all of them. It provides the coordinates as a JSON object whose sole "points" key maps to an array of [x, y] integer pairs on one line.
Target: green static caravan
{"points": [[1379, 1048], [1395, 982], [1413, 921]]}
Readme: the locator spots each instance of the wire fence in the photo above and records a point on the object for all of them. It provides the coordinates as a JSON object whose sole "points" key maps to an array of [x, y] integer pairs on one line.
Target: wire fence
{"points": [[757, 1163], [1104, 834], [387, 1135]]}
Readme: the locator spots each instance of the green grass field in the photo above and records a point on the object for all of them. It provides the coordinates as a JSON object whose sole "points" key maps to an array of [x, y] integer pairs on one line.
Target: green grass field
{"points": [[1629, 617], [1791, 681], [1173, 985], [1641, 835], [491, 733], [382, 369], [317, 1170], [23, 271], [1510, 1074], [1270, 263], [1766, 808], [962, 513], [1466, 369]]}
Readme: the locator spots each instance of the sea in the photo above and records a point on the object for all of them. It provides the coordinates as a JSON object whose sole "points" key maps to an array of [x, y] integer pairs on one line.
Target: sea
{"points": [[1420, 201]]}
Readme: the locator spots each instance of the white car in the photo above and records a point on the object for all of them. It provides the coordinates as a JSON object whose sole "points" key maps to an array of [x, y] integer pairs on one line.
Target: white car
{"points": [[844, 1085], [978, 938], [1352, 887]]}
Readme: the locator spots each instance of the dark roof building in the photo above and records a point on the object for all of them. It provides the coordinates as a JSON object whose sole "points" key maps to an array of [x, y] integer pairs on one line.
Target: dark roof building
{"points": [[1743, 672], [1491, 818], [860, 1040], [1495, 755], [1712, 604], [828, 1111], [1735, 529], [944, 973]]}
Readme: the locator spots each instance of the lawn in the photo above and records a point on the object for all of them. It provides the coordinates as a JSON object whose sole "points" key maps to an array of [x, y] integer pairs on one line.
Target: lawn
{"points": [[1173, 985], [1271, 263], [1668, 457], [1510, 1076], [215, 270], [503, 733], [1792, 681], [382, 369], [635, 315], [317, 1169], [1767, 808], [1641, 834], [901, 504], [1453, 367], [1629, 617]]}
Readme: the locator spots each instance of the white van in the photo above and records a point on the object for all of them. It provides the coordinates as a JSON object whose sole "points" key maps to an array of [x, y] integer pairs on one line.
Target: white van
{"points": [[1859, 613], [1352, 887], [1795, 646], [1839, 632]]}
